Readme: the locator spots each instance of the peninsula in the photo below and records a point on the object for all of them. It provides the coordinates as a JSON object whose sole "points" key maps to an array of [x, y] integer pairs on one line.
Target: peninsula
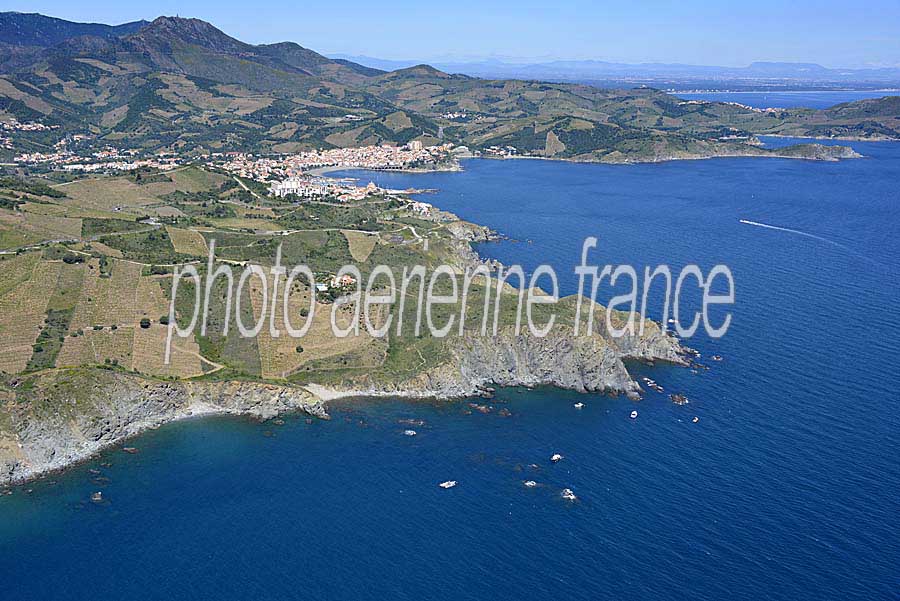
{"points": [[131, 151]]}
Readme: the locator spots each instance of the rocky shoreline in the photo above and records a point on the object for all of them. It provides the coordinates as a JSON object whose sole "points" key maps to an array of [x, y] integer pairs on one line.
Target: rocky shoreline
{"points": [[120, 406], [807, 151], [38, 441], [580, 363], [53, 420]]}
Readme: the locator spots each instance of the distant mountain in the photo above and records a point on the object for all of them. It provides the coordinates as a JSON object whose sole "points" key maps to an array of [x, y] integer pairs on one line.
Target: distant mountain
{"points": [[32, 29], [593, 70], [377, 63], [182, 84]]}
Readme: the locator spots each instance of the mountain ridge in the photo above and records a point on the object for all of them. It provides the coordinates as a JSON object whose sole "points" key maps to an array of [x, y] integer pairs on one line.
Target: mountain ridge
{"points": [[182, 84], [35, 29], [591, 70]]}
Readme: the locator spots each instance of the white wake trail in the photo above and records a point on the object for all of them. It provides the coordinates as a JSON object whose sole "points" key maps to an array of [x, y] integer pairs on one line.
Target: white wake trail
{"points": [[789, 230], [814, 237]]}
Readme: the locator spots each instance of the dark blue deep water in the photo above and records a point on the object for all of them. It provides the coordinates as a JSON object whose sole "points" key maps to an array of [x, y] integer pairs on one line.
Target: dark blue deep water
{"points": [[787, 488]]}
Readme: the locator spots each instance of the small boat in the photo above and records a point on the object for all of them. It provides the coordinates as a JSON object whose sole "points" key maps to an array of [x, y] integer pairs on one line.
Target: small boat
{"points": [[634, 415], [695, 420], [97, 497], [530, 483], [409, 432], [568, 495], [448, 484], [556, 458], [579, 405], [716, 357], [131, 450]]}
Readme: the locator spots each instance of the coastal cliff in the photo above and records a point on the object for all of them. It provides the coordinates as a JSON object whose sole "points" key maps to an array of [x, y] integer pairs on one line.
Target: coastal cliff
{"points": [[582, 363], [63, 417], [53, 414], [53, 420], [710, 150]]}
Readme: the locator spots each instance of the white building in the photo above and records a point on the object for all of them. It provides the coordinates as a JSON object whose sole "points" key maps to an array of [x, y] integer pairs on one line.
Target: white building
{"points": [[302, 187]]}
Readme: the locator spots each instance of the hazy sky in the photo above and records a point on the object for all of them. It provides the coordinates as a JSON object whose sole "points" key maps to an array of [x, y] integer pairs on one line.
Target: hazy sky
{"points": [[834, 33]]}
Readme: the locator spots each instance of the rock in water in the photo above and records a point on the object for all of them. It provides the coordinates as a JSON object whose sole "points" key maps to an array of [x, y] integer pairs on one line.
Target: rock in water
{"points": [[679, 399]]}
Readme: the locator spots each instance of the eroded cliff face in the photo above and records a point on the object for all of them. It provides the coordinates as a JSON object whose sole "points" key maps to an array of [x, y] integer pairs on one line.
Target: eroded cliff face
{"points": [[582, 363], [67, 416], [61, 417]]}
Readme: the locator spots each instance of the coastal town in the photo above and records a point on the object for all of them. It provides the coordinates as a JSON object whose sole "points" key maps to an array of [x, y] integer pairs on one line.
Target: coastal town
{"points": [[292, 176], [412, 156], [301, 176], [107, 158]]}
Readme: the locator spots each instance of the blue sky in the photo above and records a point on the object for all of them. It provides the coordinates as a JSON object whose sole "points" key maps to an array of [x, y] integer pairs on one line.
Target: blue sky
{"points": [[830, 32]]}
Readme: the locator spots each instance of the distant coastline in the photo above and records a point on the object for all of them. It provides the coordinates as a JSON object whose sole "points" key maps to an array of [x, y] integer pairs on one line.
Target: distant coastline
{"points": [[333, 168], [889, 91]]}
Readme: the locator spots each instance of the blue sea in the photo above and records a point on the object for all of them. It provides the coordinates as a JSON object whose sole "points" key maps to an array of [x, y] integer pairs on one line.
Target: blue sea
{"points": [[788, 487], [789, 99]]}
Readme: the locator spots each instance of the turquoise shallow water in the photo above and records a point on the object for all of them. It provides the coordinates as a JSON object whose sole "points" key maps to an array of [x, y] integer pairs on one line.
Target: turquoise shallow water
{"points": [[787, 488]]}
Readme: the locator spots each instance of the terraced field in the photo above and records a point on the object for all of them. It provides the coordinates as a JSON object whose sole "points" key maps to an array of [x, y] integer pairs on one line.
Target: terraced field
{"points": [[280, 356], [100, 294], [98, 347], [187, 242], [361, 245], [108, 300], [22, 312]]}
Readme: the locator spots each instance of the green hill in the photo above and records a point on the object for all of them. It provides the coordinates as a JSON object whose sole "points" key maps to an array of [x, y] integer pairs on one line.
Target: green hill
{"points": [[182, 84]]}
